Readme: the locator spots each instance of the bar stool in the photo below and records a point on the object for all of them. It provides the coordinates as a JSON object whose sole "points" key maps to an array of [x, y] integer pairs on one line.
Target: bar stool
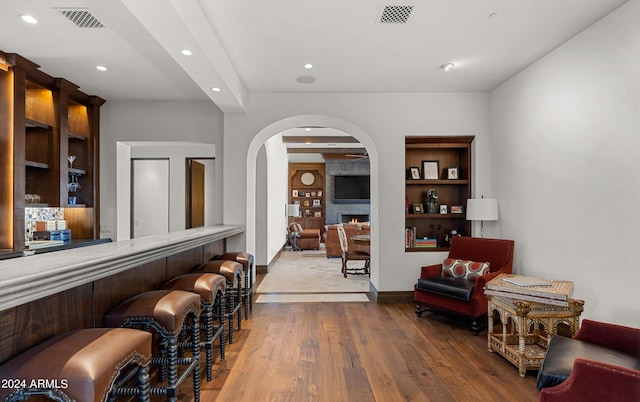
{"points": [[84, 365], [168, 313], [246, 260], [232, 271], [211, 288]]}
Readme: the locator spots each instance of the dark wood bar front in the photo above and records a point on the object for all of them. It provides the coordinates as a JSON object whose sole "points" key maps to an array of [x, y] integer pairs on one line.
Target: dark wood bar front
{"points": [[116, 278]]}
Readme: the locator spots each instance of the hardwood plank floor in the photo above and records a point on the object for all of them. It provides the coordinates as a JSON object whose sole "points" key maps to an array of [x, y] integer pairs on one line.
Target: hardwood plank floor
{"points": [[360, 352]]}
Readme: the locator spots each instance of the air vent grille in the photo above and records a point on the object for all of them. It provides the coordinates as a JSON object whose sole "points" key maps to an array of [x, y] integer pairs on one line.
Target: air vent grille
{"points": [[395, 14], [80, 17]]}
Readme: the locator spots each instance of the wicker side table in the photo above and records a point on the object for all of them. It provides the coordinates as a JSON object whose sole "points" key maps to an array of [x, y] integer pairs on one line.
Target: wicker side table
{"points": [[525, 328]]}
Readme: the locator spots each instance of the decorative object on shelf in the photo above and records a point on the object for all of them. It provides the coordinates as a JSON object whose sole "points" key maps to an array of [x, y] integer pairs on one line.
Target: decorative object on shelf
{"points": [[432, 205], [294, 193], [452, 173], [316, 203], [71, 158], [301, 193], [73, 185], [414, 173], [457, 209], [307, 213], [317, 214], [306, 203], [313, 193], [320, 193], [307, 178], [430, 170], [436, 235], [482, 209], [418, 208], [73, 200], [443, 209], [293, 210]]}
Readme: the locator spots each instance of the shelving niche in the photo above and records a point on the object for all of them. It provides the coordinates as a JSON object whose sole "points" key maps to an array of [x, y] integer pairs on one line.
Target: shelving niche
{"points": [[449, 151]]}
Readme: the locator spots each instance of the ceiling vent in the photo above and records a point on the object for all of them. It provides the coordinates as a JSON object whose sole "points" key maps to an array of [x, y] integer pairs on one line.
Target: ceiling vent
{"points": [[80, 17], [395, 14]]}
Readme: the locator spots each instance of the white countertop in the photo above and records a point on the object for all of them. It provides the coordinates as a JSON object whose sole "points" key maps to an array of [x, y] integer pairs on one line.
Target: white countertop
{"points": [[25, 279]]}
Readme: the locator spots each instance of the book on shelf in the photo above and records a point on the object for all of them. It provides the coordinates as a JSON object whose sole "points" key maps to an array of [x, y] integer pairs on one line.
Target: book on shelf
{"points": [[426, 243], [410, 237]]}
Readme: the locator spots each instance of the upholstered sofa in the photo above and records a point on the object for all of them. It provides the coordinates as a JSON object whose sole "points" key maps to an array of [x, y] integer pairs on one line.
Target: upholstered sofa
{"points": [[436, 290], [307, 238], [601, 363], [332, 242]]}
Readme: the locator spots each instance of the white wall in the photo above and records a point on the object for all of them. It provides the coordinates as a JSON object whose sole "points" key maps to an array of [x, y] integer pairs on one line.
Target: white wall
{"points": [[382, 122], [186, 121], [566, 165], [277, 168]]}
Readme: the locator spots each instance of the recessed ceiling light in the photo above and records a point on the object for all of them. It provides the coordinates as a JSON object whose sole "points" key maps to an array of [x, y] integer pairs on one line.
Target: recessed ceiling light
{"points": [[307, 129], [447, 66], [186, 52], [28, 18], [215, 89], [101, 68], [308, 66]]}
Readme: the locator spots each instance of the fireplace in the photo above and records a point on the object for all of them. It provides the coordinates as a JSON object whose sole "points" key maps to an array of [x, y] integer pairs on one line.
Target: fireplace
{"points": [[354, 218]]}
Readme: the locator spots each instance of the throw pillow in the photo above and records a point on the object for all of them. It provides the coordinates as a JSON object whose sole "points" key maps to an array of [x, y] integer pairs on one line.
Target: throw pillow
{"points": [[466, 269]]}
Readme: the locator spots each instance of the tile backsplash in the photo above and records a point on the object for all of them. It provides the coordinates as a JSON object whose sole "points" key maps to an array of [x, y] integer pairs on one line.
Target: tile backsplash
{"points": [[33, 215]]}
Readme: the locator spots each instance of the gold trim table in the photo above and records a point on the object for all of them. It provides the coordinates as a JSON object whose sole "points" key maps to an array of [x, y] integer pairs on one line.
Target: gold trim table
{"points": [[526, 328]]}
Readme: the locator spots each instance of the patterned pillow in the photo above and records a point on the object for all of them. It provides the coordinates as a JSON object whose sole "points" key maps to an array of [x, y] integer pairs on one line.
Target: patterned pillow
{"points": [[471, 270]]}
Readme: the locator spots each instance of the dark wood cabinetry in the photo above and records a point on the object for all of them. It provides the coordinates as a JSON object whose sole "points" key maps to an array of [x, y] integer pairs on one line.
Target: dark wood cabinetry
{"points": [[51, 119], [306, 188], [453, 189]]}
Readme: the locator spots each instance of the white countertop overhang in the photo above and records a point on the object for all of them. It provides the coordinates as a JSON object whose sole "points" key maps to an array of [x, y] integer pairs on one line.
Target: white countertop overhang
{"points": [[26, 279]]}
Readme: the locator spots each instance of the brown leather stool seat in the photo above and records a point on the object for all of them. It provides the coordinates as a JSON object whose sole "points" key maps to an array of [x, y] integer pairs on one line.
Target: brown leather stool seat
{"points": [[170, 313], [211, 288], [248, 265], [83, 365], [233, 273]]}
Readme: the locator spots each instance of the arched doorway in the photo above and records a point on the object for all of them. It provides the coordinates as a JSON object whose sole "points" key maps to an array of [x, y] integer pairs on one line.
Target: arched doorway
{"points": [[318, 121]]}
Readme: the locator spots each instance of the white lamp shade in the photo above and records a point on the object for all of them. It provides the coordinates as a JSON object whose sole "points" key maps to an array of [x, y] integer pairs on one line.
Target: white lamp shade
{"points": [[293, 210], [482, 209]]}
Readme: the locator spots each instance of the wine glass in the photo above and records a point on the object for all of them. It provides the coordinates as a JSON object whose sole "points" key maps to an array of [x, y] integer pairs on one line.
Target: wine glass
{"points": [[71, 158]]}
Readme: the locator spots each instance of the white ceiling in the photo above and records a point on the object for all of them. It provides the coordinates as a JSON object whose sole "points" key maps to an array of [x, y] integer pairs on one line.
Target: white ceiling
{"points": [[244, 46]]}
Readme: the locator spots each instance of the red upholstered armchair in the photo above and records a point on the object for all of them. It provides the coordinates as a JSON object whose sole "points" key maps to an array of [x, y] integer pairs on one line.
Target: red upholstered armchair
{"points": [[601, 363], [461, 296]]}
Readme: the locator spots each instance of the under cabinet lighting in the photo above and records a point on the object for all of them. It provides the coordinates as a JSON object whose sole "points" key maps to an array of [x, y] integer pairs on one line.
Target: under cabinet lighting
{"points": [[215, 89], [308, 66], [101, 68], [186, 52], [28, 18]]}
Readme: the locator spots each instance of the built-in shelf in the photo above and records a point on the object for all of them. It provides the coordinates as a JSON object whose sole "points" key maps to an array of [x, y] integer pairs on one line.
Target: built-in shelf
{"points": [[36, 124], [434, 216], [77, 171], [38, 165], [77, 136]]}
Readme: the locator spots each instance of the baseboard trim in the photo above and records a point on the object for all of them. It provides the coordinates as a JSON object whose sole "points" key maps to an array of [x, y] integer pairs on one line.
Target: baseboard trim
{"points": [[264, 269], [399, 297]]}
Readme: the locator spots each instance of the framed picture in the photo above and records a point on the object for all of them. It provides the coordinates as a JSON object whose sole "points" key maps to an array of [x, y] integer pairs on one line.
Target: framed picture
{"points": [[316, 203], [307, 194], [296, 202], [457, 209], [317, 214], [418, 208], [414, 173], [306, 203], [443, 209], [295, 193], [452, 173], [320, 193], [430, 170]]}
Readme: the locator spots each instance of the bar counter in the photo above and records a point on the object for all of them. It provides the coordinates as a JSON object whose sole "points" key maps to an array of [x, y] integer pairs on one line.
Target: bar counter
{"points": [[51, 293]]}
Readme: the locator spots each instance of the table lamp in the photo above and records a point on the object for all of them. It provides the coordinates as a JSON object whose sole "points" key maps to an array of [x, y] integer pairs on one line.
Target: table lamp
{"points": [[482, 209], [293, 210]]}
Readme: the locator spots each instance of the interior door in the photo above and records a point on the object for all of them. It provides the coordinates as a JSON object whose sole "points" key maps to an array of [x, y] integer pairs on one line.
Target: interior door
{"points": [[150, 197], [195, 211]]}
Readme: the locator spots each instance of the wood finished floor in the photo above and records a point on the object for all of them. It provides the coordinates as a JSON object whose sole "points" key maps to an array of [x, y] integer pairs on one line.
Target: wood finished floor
{"points": [[359, 352]]}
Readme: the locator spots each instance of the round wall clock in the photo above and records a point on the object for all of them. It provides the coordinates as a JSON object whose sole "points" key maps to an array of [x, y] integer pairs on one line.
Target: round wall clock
{"points": [[307, 178]]}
